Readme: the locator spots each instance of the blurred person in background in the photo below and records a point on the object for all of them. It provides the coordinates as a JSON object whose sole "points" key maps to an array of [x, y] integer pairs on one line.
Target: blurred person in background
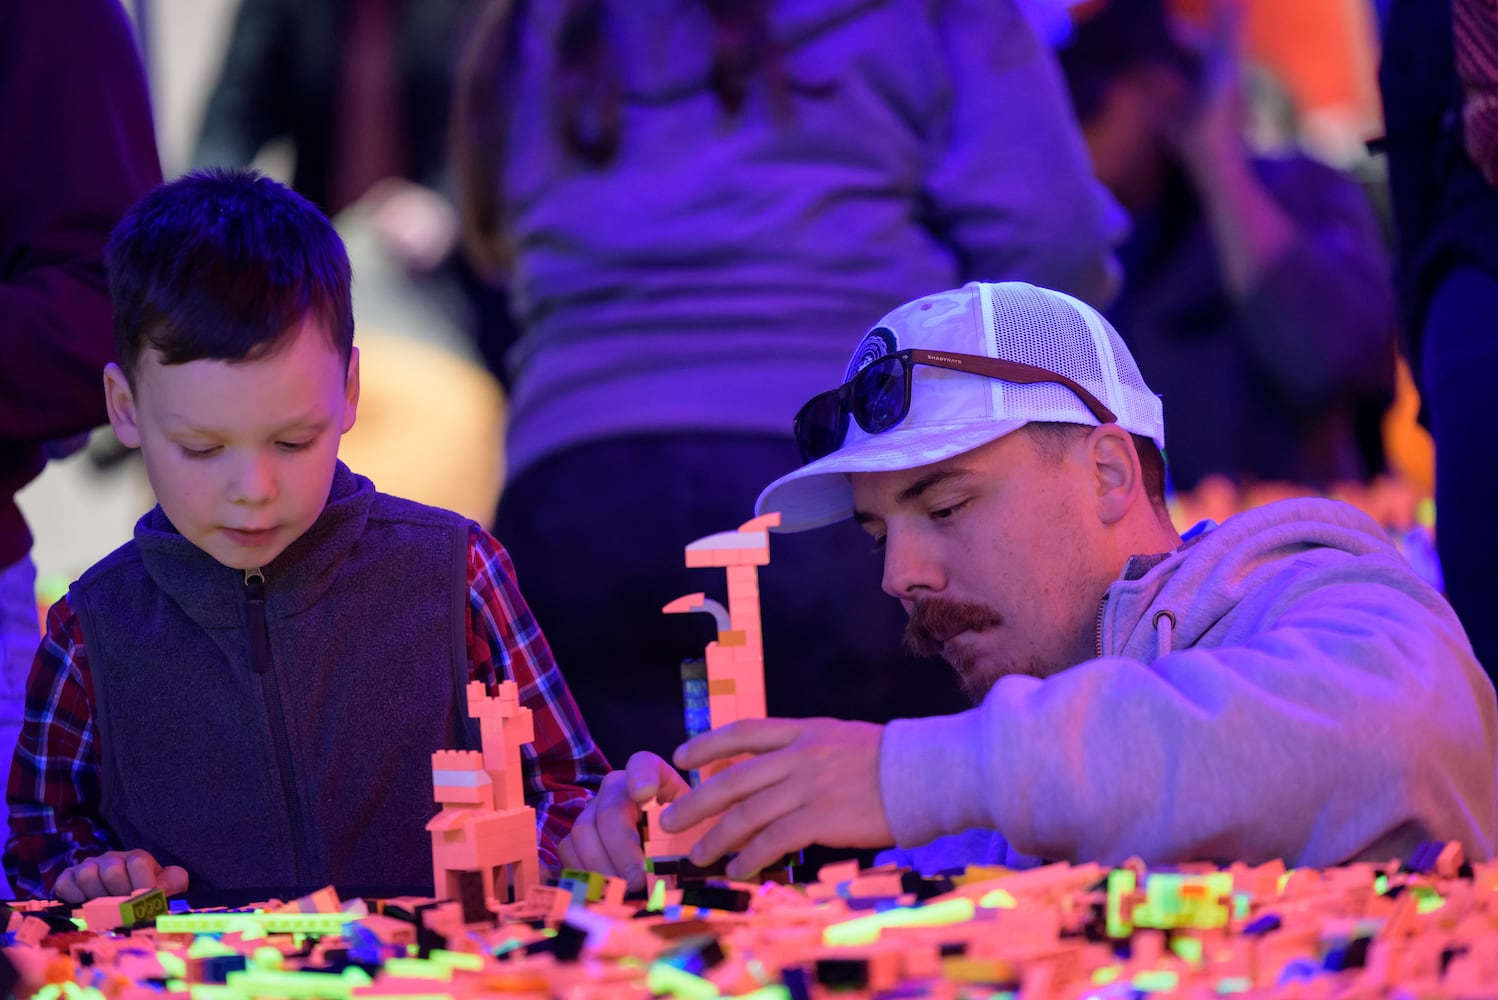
{"points": [[1257, 297], [693, 204], [81, 148], [361, 91], [1439, 79]]}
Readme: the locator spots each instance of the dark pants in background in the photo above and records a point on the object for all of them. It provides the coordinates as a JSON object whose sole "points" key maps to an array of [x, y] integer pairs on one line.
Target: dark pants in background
{"points": [[1459, 360], [598, 535]]}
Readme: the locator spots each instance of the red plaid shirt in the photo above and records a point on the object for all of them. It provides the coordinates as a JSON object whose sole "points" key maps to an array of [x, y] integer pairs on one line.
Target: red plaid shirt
{"points": [[54, 779]]}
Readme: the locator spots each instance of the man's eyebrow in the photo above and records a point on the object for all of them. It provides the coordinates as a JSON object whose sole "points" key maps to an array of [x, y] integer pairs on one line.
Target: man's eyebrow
{"points": [[928, 482], [914, 491]]}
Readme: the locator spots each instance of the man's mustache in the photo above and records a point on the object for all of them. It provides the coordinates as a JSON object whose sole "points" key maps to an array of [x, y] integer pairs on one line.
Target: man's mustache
{"points": [[935, 620]]}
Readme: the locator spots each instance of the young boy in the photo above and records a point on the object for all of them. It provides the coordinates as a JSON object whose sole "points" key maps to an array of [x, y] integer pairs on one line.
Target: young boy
{"points": [[248, 693]]}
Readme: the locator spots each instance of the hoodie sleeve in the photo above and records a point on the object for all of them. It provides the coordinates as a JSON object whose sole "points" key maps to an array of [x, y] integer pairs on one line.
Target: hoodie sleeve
{"points": [[1342, 717], [1011, 186]]}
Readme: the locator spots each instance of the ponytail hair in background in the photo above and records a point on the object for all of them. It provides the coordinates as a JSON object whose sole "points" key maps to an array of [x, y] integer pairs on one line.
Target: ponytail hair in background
{"points": [[590, 93]]}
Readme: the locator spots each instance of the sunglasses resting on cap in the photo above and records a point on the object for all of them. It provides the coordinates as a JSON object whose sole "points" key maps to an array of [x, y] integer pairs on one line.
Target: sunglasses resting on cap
{"points": [[878, 396]]}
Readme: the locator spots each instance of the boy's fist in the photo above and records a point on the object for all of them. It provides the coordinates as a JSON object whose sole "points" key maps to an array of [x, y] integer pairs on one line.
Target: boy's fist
{"points": [[117, 873]]}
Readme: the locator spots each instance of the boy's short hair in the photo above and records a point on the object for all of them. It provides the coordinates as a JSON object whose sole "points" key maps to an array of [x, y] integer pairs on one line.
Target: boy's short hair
{"points": [[221, 265]]}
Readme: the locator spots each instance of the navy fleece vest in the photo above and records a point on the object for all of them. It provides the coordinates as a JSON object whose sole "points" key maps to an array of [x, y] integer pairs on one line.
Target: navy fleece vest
{"points": [[367, 661]]}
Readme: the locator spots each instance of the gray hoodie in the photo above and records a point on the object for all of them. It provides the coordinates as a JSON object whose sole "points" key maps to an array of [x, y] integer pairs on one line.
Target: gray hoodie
{"points": [[1314, 701]]}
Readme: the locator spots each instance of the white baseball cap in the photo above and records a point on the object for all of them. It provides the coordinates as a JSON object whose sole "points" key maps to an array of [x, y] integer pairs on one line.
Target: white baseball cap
{"points": [[952, 412]]}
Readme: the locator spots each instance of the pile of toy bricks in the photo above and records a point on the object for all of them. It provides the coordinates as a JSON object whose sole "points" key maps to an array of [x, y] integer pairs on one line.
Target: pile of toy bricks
{"points": [[1426, 927]]}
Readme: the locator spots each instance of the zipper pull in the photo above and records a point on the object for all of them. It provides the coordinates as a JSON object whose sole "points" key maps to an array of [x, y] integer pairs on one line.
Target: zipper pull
{"points": [[1102, 606], [254, 584]]}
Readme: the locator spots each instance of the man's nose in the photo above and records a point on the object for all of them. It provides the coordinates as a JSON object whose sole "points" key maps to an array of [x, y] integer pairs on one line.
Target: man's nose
{"points": [[911, 569]]}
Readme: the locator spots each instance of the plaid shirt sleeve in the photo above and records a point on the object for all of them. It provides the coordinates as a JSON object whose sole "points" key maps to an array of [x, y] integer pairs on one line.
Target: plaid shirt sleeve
{"points": [[563, 767], [54, 789]]}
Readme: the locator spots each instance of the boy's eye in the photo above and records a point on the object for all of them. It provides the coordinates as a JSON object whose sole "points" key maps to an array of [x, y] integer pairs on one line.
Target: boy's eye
{"points": [[293, 445], [199, 452]]}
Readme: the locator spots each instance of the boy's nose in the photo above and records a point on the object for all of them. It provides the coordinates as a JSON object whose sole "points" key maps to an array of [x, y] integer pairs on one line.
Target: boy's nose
{"points": [[254, 482]]}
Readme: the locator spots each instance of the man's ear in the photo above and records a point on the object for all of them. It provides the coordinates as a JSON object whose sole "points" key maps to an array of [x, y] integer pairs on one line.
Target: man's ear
{"points": [[351, 392], [119, 399], [1115, 464]]}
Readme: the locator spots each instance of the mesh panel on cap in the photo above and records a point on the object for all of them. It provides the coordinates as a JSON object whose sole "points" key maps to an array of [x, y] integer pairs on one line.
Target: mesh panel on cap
{"points": [[1046, 330]]}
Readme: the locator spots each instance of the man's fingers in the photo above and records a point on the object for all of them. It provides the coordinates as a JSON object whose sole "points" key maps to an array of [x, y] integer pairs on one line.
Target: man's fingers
{"points": [[744, 736], [720, 792], [743, 824], [774, 842]]}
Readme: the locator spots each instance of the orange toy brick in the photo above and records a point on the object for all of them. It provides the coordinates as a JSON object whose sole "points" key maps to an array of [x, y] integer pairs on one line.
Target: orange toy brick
{"points": [[485, 827]]}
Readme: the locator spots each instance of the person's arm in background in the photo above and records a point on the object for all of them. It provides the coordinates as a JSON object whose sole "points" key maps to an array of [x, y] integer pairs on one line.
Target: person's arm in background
{"points": [[254, 93], [563, 767], [80, 149], [1474, 27], [1011, 187], [1297, 242]]}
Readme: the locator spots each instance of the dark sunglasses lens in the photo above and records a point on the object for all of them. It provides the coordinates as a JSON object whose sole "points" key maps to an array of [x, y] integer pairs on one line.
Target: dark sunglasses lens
{"points": [[879, 395], [821, 426]]}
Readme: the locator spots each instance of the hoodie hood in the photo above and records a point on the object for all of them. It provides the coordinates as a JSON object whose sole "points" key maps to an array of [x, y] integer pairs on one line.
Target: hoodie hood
{"points": [[1245, 567]]}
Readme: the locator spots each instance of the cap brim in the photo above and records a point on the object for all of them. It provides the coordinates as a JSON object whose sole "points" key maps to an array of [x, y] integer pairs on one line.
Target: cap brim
{"points": [[819, 493]]}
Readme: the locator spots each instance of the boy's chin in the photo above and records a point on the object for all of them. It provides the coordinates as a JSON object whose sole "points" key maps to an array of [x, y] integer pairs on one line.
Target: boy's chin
{"points": [[243, 557]]}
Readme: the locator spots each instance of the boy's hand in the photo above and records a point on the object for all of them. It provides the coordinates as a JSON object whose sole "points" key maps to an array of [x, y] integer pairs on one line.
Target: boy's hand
{"points": [[606, 836], [808, 781], [117, 873]]}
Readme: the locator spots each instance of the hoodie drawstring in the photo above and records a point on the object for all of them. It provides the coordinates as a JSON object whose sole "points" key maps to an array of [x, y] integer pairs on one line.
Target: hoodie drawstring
{"points": [[1164, 623]]}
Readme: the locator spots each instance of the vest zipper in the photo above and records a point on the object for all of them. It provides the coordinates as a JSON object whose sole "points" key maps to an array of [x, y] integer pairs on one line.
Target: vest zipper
{"points": [[260, 662]]}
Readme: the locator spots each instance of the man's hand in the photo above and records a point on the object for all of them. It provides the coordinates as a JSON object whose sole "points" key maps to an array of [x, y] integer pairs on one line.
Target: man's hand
{"points": [[606, 836], [811, 781], [117, 873]]}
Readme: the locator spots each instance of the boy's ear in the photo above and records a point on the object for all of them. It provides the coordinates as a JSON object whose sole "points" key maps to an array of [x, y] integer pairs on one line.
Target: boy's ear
{"points": [[351, 392], [1115, 463], [120, 401]]}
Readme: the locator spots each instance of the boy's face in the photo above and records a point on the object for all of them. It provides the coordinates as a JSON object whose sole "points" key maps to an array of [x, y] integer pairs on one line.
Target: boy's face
{"points": [[240, 454]]}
